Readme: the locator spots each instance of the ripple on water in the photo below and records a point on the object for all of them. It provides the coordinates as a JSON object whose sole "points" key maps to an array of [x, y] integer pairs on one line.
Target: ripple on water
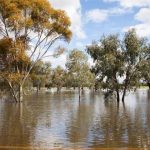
{"points": [[54, 120]]}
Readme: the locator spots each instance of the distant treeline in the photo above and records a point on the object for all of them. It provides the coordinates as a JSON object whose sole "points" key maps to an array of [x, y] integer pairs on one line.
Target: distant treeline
{"points": [[30, 28]]}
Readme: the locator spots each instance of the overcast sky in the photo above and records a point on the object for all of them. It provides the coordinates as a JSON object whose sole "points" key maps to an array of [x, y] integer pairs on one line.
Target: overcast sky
{"points": [[93, 18]]}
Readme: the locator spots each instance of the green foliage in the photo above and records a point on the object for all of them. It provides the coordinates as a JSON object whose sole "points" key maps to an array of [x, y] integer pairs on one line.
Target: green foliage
{"points": [[58, 78], [41, 74], [79, 72], [144, 68], [118, 63], [108, 61], [135, 52]]}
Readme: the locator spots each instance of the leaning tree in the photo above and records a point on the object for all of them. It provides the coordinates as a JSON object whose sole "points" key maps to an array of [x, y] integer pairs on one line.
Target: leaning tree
{"points": [[28, 29]]}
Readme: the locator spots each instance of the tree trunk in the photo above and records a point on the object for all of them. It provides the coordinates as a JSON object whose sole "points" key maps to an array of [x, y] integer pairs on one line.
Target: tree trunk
{"points": [[95, 88], [127, 80], [118, 96], [123, 105], [148, 85], [37, 89], [58, 89], [117, 89], [20, 94], [82, 89], [124, 93], [14, 94], [79, 94], [125, 89]]}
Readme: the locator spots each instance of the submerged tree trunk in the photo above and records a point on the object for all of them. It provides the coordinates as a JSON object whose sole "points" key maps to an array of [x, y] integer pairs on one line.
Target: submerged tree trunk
{"points": [[14, 94], [79, 94], [127, 80], [125, 89], [95, 88], [12, 91], [20, 99], [82, 89], [37, 89], [118, 96], [58, 89], [117, 89], [124, 93], [148, 85], [17, 95]]}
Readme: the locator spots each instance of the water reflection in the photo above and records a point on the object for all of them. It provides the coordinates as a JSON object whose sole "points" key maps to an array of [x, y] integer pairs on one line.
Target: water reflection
{"points": [[61, 120]]}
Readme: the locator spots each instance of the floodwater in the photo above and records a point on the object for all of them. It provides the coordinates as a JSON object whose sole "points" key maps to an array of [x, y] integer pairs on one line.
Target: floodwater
{"points": [[60, 121]]}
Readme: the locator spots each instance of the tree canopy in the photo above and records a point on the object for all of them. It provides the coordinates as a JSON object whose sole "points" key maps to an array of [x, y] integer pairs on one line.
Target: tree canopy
{"points": [[79, 72], [28, 29], [117, 62]]}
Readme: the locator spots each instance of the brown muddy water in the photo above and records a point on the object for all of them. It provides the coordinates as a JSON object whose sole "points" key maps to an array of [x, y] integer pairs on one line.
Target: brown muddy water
{"points": [[60, 121]]}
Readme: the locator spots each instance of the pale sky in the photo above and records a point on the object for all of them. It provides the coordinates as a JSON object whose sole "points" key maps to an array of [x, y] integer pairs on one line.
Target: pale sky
{"points": [[93, 18]]}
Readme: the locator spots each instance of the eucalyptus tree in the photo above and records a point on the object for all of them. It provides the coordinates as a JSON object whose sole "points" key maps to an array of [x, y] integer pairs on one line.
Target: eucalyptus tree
{"points": [[79, 71], [58, 78], [145, 72], [136, 52], [117, 63], [28, 29], [41, 74], [145, 68], [108, 63]]}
